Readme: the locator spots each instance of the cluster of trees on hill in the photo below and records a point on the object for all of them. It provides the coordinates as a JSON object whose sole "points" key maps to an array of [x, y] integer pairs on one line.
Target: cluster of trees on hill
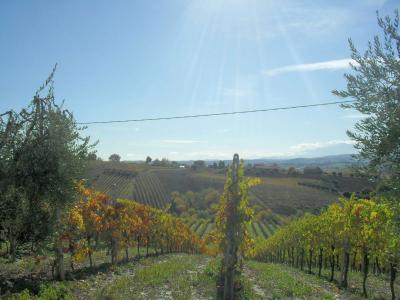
{"points": [[96, 219], [203, 204], [353, 233], [219, 165], [164, 162], [115, 157]]}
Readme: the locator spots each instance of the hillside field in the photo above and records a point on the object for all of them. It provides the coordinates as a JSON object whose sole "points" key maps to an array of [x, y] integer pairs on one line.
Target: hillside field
{"points": [[276, 200]]}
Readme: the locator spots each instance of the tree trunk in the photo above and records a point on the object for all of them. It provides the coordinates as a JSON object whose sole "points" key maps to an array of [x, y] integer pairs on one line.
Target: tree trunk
{"points": [[89, 252], [71, 263], [332, 267], [337, 262], [114, 251], [320, 261], [97, 241], [32, 246], [365, 267], [393, 271], [302, 259], [138, 250], [353, 264], [345, 269], [310, 260], [293, 263], [378, 266], [13, 248], [59, 248], [126, 254]]}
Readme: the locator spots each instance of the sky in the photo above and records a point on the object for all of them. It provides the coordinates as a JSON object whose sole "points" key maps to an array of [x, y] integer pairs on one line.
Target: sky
{"points": [[137, 59]]}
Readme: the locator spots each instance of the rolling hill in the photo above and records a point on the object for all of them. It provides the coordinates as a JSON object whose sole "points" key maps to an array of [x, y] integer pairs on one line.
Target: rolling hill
{"points": [[276, 200]]}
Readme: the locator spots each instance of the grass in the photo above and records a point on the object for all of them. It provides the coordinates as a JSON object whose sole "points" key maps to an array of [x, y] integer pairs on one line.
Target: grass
{"points": [[31, 272], [178, 277], [276, 281], [183, 276], [171, 276], [377, 285]]}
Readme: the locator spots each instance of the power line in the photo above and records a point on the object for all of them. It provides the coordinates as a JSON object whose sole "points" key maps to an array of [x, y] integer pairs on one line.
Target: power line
{"points": [[216, 114]]}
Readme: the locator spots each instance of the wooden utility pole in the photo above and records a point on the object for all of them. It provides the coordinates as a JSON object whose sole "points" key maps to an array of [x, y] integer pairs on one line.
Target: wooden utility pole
{"points": [[230, 258]]}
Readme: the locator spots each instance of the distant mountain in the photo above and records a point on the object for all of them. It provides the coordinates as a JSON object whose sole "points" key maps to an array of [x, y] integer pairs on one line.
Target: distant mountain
{"points": [[329, 150], [331, 161]]}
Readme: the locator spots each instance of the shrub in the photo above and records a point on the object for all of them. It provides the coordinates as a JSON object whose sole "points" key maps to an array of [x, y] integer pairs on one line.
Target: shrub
{"points": [[55, 292], [24, 295]]}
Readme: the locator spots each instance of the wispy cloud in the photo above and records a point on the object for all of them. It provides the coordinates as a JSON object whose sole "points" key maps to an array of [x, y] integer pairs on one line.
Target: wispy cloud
{"points": [[298, 149], [180, 141], [303, 147], [354, 116], [324, 65], [299, 18]]}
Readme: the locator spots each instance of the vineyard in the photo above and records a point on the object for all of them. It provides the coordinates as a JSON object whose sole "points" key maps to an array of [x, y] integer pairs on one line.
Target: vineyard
{"points": [[256, 229], [148, 189], [144, 187], [276, 199], [133, 195], [115, 185], [351, 235]]}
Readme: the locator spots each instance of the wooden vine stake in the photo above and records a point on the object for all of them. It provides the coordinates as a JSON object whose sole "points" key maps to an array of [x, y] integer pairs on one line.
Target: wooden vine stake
{"points": [[232, 244]]}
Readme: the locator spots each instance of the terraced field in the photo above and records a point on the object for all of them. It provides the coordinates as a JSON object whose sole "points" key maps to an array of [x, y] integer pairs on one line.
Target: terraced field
{"points": [[148, 189], [116, 186], [183, 180], [144, 187], [286, 197], [256, 229]]}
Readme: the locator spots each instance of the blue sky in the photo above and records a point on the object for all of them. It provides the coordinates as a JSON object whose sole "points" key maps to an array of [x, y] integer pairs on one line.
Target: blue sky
{"points": [[137, 59]]}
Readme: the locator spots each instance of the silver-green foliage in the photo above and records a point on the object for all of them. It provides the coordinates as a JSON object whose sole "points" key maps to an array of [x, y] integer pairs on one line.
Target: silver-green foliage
{"points": [[374, 84], [42, 154]]}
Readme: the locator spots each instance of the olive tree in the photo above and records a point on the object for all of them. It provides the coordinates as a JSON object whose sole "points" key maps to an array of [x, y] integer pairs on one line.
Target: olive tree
{"points": [[46, 155], [374, 85]]}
